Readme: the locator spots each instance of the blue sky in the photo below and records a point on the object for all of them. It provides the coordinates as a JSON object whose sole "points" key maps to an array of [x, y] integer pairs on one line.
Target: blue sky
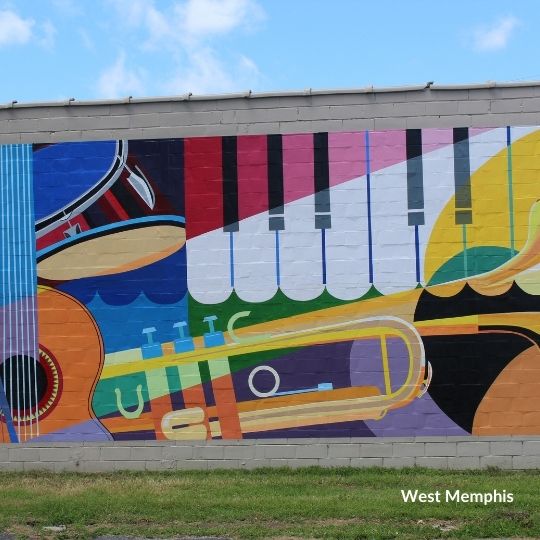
{"points": [[91, 49]]}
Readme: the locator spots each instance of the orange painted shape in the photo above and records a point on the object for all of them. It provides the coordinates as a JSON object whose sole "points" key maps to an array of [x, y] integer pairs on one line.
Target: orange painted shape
{"points": [[67, 330], [194, 397], [160, 406], [512, 404], [226, 408]]}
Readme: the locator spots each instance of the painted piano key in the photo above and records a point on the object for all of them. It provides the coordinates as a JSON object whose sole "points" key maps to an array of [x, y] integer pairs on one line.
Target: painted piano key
{"points": [[393, 239], [255, 249], [300, 242], [347, 256], [208, 253]]}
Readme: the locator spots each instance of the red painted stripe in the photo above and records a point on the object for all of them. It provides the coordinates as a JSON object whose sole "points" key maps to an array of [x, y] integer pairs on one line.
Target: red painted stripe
{"points": [[115, 205], [252, 176], [203, 185]]}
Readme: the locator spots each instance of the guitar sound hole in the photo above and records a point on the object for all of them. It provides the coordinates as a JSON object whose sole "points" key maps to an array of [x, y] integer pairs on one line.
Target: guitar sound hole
{"points": [[24, 380]]}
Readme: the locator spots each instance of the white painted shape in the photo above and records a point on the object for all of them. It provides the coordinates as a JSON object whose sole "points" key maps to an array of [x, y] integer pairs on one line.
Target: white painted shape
{"points": [[255, 260], [394, 256], [347, 253], [208, 267], [301, 251]]}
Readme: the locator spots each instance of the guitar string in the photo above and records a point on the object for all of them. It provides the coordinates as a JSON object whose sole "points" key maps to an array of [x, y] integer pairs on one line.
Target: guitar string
{"points": [[27, 260], [14, 354], [31, 246], [3, 269], [26, 344], [11, 262], [21, 329], [33, 273]]}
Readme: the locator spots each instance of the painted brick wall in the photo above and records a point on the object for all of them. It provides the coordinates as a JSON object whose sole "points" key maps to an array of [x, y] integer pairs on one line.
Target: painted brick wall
{"points": [[369, 256]]}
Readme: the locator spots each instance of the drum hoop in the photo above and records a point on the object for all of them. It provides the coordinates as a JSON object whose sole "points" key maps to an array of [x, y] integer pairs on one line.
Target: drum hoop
{"points": [[138, 223]]}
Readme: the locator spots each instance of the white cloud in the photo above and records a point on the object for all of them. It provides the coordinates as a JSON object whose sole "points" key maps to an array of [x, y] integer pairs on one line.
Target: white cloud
{"points": [[118, 80], [205, 73], [14, 29], [495, 36], [203, 18], [185, 34]]}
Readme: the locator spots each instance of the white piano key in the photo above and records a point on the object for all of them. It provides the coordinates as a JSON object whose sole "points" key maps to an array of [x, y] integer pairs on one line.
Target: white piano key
{"points": [[255, 260], [301, 251], [394, 255], [347, 252], [209, 267]]}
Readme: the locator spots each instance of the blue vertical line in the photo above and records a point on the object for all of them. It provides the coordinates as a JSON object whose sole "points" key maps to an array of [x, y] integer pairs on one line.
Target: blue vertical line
{"points": [[323, 247], [368, 187], [278, 270], [510, 188], [417, 250], [464, 239], [231, 255]]}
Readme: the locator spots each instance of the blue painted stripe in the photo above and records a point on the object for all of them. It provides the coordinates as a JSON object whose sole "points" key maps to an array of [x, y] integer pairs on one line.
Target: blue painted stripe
{"points": [[417, 250], [323, 247], [510, 188], [278, 271], [112, 227], [368, 187], [231, 255]]}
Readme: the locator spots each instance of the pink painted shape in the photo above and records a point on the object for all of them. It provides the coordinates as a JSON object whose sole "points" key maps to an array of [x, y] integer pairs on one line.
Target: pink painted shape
{"points": [[386, 148], [252, 175], [477, 131], [298, 179], [347, 156], [435, 138]]}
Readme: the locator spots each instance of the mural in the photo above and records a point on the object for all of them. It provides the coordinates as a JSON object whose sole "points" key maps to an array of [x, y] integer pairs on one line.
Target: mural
{"points": [[378, 283]]}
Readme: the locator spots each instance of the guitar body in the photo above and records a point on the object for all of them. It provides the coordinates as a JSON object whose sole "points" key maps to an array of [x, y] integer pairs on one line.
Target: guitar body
{"points": [[64, 378]]}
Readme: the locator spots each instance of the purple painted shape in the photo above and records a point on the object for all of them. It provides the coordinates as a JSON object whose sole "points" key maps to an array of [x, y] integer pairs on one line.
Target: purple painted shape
{"points": [[18, 328], [421, 417], [90, 431], [305, 368], [367, 367], [340, 429]]}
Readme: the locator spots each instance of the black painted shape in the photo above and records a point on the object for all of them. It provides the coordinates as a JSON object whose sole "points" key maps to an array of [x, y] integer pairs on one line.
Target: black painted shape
{"points": [[321, 172], [276, 197], [464, 368], [229, 162], [469, 302], [127, 201], [162, 163], [413, 143], [526, 332]]}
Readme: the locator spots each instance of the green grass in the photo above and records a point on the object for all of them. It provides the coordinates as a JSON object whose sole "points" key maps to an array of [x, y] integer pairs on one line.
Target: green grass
{"points": [[267, 503]]}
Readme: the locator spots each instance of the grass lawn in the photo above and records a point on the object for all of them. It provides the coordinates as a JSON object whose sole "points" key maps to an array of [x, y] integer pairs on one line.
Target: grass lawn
{"points": [[267, 503]]}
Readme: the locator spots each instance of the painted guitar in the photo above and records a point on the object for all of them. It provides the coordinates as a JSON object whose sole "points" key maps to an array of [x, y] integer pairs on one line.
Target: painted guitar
{"points": [[63, 377]]}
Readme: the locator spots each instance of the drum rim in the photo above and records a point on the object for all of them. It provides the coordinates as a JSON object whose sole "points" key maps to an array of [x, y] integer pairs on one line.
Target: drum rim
{"points": [[120, 226]]}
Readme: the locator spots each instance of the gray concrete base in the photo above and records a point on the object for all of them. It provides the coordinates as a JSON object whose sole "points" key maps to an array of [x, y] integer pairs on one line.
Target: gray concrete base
{"points": [[436, 452]]}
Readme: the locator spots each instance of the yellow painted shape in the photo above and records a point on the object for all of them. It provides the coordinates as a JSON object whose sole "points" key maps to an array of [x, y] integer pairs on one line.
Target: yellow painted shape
{"points": [[189, 375], [157, 382], [218, 353], [490, 209]]}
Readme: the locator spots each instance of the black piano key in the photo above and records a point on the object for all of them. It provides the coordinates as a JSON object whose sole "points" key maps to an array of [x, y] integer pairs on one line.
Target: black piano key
{"points": [[229, 162]]}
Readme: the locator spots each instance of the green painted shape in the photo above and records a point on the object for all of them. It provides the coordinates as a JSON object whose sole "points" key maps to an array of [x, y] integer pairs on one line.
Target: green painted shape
{"points": [[479, 260], [173, 379], [277, 307], [104, 400]]}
